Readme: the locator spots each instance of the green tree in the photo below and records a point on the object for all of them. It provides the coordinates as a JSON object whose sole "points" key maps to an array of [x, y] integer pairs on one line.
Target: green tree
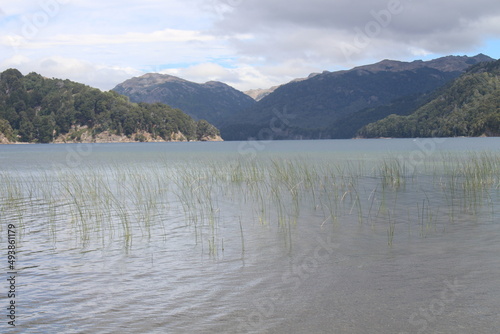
{"points": [[7, 130], [46, 130], [26, 129], [205, 129]]}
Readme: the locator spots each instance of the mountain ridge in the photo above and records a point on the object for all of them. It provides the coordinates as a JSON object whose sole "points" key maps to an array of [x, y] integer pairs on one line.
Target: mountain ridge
{"points": [[321, 100], [213, 100], [468, 106], [447, 63]]}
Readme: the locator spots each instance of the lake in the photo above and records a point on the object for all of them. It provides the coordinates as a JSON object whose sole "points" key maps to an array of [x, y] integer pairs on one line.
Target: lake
{"points": [[331, 236]]}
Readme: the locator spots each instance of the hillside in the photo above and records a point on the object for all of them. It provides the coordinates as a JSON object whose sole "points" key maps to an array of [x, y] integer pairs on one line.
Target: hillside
{"points": [[469, 106], [260, 93], [213, 101], [35, 109], [337, 104]]}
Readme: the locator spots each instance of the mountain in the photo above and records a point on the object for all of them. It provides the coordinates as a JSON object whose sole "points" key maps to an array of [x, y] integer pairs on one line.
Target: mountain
{"points": [[35, 109], [213, 101], [468, 106], [260, 93], [337, 104], [445, 64]]}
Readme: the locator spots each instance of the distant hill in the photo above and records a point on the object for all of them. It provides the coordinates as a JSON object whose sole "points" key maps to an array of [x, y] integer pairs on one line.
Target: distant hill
{"points": [[469, 106], [213, 101], [35, 109], [337, 104], [260, 93]]}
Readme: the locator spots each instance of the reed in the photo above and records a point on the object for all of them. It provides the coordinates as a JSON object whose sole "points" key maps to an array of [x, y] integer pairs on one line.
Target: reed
{"points": [[134, 200], [390, 231], [393, 173]]}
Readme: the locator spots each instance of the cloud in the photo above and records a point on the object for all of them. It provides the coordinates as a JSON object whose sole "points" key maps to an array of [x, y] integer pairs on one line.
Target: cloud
{"points": [[246, 43], [241, 76], [206, 71], [320, 31], [128, 38], [101, 76]]}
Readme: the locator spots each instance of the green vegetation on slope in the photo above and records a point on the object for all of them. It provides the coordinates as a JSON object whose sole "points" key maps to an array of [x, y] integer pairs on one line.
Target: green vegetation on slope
{"points": [[213, 101], [328, 98], [338, 104], [469, 106], [37, 110]]}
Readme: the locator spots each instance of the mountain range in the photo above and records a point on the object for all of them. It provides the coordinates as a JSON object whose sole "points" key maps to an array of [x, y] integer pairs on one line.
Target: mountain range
{"points": [[338, 104], [323, 105], [448, 96]]}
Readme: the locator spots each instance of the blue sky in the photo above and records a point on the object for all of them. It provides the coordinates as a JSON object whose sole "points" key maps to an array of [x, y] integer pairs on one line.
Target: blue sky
{"points": [[245, 43]]}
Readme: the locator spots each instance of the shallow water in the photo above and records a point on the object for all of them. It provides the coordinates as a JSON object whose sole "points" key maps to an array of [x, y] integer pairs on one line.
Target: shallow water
{"points": [[234, 238]]}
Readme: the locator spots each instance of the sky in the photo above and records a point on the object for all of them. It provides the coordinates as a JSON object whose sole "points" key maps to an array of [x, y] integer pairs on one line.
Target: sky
{"points": [[245, 43]]}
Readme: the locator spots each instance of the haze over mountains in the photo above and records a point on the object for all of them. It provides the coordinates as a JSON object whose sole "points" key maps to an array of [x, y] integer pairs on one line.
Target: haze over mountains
{"points": [[325, 105]]}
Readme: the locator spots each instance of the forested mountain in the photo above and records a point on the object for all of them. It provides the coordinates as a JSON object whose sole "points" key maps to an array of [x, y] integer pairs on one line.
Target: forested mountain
{"points": [[417, 98], [213, 101], [469, 106], [39, 110], [337, 104]]}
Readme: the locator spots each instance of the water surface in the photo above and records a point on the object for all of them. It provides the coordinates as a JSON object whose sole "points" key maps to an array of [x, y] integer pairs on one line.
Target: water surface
{"points": [[254, 237]]}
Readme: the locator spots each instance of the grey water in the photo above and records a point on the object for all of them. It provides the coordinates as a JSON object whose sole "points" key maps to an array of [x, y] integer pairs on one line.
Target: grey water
{"points": [[165, 238]]}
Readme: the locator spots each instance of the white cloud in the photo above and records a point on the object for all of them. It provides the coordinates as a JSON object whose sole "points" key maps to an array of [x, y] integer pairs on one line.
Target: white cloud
{"points": [[166, 35], [244, 43], [319, 31], [100, 76], [16, 61], [241, 77], [205, 72]]}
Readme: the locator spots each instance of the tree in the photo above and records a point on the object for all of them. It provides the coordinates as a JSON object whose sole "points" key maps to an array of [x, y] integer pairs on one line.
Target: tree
{"points": [[7, 130], [26, 128], [47, 129], [205, 129]]}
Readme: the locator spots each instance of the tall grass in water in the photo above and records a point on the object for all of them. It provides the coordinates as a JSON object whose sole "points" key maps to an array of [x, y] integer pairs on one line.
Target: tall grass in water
{"points": [[468, 179], [393, 173], [279, 189], [127, 202]]}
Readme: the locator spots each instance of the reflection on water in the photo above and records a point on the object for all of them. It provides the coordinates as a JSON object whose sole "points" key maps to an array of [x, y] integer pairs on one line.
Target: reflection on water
{"points": [[305, 237]]}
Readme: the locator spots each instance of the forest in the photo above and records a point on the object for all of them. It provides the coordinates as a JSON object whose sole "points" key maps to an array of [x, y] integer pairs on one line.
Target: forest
{"points": [[34, 109], [468, 106]]}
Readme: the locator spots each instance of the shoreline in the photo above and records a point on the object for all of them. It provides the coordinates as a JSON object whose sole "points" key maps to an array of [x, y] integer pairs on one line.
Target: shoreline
{"points": [[111, 142], [105, 137]]}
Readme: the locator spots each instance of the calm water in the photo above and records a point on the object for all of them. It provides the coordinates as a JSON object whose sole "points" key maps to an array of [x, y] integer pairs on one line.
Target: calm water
{"points": [[253, 237]]}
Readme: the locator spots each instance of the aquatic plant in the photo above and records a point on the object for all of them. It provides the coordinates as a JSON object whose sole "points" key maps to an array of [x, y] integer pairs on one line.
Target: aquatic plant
{"points": [[133, 201]]}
